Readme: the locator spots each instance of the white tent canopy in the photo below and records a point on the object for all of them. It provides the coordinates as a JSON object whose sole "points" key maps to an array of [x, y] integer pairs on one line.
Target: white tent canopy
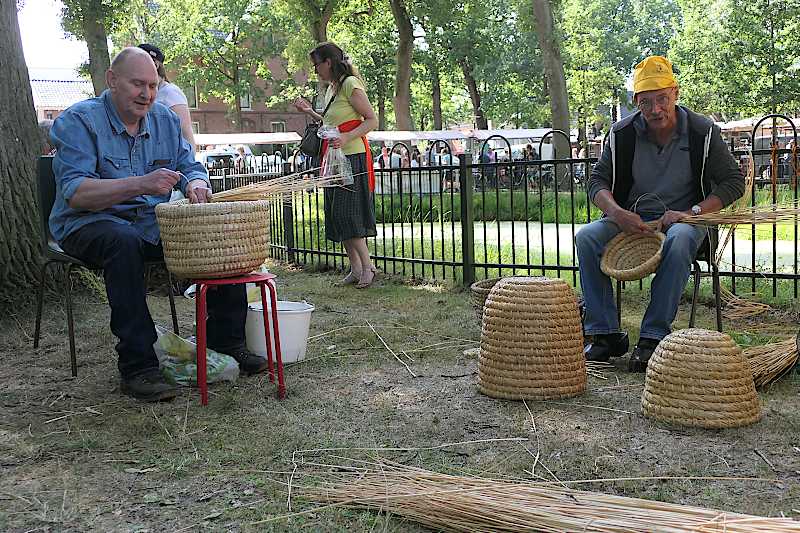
{"points": [[447, 135], [391, 136], [288, 137]]}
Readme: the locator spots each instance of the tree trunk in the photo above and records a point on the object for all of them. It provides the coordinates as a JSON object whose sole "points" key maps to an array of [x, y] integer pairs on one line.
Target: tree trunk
{"points": [[19, 224], [437, 96], [474, 94], [554, 72], [381, 90], [97, 43], [402, 84]]}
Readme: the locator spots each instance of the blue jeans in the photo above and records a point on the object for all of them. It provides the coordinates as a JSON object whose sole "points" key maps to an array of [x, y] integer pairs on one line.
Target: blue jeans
{"points": [[680, 248], [121, 253]]}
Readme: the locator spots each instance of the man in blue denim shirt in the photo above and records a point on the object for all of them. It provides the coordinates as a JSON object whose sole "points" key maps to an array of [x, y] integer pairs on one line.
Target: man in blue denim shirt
{"points": [[118, 156]]}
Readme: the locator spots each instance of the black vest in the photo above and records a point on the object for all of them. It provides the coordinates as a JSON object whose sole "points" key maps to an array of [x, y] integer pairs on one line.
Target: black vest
{"points": [[625, 146]]}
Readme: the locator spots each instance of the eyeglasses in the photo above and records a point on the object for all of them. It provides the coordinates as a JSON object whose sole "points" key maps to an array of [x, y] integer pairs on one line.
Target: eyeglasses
{"points": [[317, 64], [648, 105]]}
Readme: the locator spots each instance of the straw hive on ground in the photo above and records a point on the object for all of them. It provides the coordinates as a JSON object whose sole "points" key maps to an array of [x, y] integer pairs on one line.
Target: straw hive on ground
{"points": [[214, 240], [531, 341], [699, 378], [479, 291]]}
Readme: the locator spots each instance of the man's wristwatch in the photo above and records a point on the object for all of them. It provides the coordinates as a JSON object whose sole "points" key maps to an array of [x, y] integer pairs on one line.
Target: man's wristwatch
{"points": [[696, 209]]}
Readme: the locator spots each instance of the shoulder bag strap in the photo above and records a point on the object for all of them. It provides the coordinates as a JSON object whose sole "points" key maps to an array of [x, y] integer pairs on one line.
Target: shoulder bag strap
{"points": [[334, 97]]}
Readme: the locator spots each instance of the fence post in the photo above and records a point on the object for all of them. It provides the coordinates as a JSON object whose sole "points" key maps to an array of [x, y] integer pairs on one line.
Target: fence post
{"points": [[288, 219], [466, 189]]}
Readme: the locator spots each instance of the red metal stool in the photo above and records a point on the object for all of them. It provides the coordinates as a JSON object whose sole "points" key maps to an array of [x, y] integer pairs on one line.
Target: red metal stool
{"points": [[262, 281]]}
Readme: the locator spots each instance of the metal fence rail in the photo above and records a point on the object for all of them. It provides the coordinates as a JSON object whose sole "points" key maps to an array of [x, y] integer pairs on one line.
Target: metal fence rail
{"points": [[468, 220]]}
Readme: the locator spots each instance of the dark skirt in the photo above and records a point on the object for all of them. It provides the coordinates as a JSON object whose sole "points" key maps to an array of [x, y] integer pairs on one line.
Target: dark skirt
{"points": [[350, 210]]}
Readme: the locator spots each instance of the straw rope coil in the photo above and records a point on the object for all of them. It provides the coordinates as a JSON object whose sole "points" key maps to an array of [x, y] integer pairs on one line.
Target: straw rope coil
{"points": [[699, 378], [531, 341], [478, 293], [214, 240], [632, 256], [772, 361], [453, 503]]}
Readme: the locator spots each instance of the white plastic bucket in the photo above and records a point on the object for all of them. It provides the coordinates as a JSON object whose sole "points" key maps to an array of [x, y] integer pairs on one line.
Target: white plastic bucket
{"points": [[294, 319]]}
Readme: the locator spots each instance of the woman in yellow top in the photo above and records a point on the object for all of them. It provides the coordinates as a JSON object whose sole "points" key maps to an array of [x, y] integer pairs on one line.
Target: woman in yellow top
{"points": [[350, 210]]}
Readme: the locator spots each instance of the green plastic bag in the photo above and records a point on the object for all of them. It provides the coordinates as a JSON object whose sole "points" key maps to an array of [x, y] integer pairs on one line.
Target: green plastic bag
{"points": [[178, 359]]}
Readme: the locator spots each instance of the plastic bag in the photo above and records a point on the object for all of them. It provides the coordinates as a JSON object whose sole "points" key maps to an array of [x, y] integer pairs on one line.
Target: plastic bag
{"points": [[335, 164], [178, 359]]}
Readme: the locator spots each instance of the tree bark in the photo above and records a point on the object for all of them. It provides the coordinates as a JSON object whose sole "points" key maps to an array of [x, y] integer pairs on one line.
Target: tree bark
{"points": [[402, 84], [381, 101], [474, 94], [97, 42], [437, 95], [20, 144], [554, 72]]}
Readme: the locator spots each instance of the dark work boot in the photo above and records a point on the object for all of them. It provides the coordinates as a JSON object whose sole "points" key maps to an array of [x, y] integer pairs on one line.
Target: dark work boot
{"points": [[149, 386], [641, 354], [249, 363], [604, 347]]}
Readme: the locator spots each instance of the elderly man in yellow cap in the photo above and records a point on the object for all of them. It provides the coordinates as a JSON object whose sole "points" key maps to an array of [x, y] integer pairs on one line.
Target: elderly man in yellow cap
{"points": [[659, 164]]}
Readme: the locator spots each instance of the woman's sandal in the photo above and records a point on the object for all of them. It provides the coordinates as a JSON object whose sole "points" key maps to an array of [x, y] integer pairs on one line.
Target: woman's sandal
{"points": [[349, 279], [364, 283]]}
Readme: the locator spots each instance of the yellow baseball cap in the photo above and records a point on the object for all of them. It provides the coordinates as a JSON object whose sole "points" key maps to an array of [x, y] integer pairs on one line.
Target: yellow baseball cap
{"points": [[652, 74]]}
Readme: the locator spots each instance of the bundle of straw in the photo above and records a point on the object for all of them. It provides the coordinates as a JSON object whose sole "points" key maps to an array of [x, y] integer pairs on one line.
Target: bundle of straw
{"points": [[737, 307], [275, 186], [772, 361], [760, 214], [461, 503]]}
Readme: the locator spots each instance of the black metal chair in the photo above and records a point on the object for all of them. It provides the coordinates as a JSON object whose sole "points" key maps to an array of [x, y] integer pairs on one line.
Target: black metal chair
{"points": [[707, 254], [53, 253]]}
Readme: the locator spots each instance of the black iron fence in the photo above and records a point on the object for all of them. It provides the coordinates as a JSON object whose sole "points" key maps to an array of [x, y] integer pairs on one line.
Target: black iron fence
{"points": [[461, 219]]}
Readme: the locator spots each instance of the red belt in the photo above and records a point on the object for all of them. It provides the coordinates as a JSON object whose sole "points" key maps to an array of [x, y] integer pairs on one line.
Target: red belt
{"points": [[350, 125]]}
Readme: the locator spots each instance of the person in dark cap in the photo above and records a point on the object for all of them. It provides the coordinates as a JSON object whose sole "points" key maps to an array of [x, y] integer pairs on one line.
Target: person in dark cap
{"points": [[678, 157], [170, 94]]}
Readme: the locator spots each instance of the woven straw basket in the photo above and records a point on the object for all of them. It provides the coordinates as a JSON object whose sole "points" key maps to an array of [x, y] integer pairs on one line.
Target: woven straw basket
{"points": [[700, 378], [631, 256], [478, 293], [214, 240], [531, 341]]}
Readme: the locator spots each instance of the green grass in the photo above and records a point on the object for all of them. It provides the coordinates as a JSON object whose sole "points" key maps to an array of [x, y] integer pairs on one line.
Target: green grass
{"points": [[79, 456], [492, 205]]}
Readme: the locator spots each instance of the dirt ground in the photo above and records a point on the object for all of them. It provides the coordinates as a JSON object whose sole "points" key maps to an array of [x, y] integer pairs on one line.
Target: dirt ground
{"points": [[75, 455]]}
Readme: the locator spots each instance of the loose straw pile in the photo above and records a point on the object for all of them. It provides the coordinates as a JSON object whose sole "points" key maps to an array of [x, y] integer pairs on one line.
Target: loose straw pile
{"points": [[737, 307], [272, 187], [460, 503], [742, 203], [771, 361]]}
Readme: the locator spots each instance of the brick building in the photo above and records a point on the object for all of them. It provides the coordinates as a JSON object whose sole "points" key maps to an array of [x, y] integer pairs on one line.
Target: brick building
{"points": [[54, 90]]}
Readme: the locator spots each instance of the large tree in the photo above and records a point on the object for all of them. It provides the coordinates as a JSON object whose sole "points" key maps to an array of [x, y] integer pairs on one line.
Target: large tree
{"points": [[92, 21], [221, 46], [554, 72], [472, 34], [369, 38], [21, 143], [405, 48]]}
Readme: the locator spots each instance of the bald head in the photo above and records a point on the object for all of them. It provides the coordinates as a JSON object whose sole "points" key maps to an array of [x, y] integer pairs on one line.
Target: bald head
{"points": [[131, 57], [133, 82]]}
